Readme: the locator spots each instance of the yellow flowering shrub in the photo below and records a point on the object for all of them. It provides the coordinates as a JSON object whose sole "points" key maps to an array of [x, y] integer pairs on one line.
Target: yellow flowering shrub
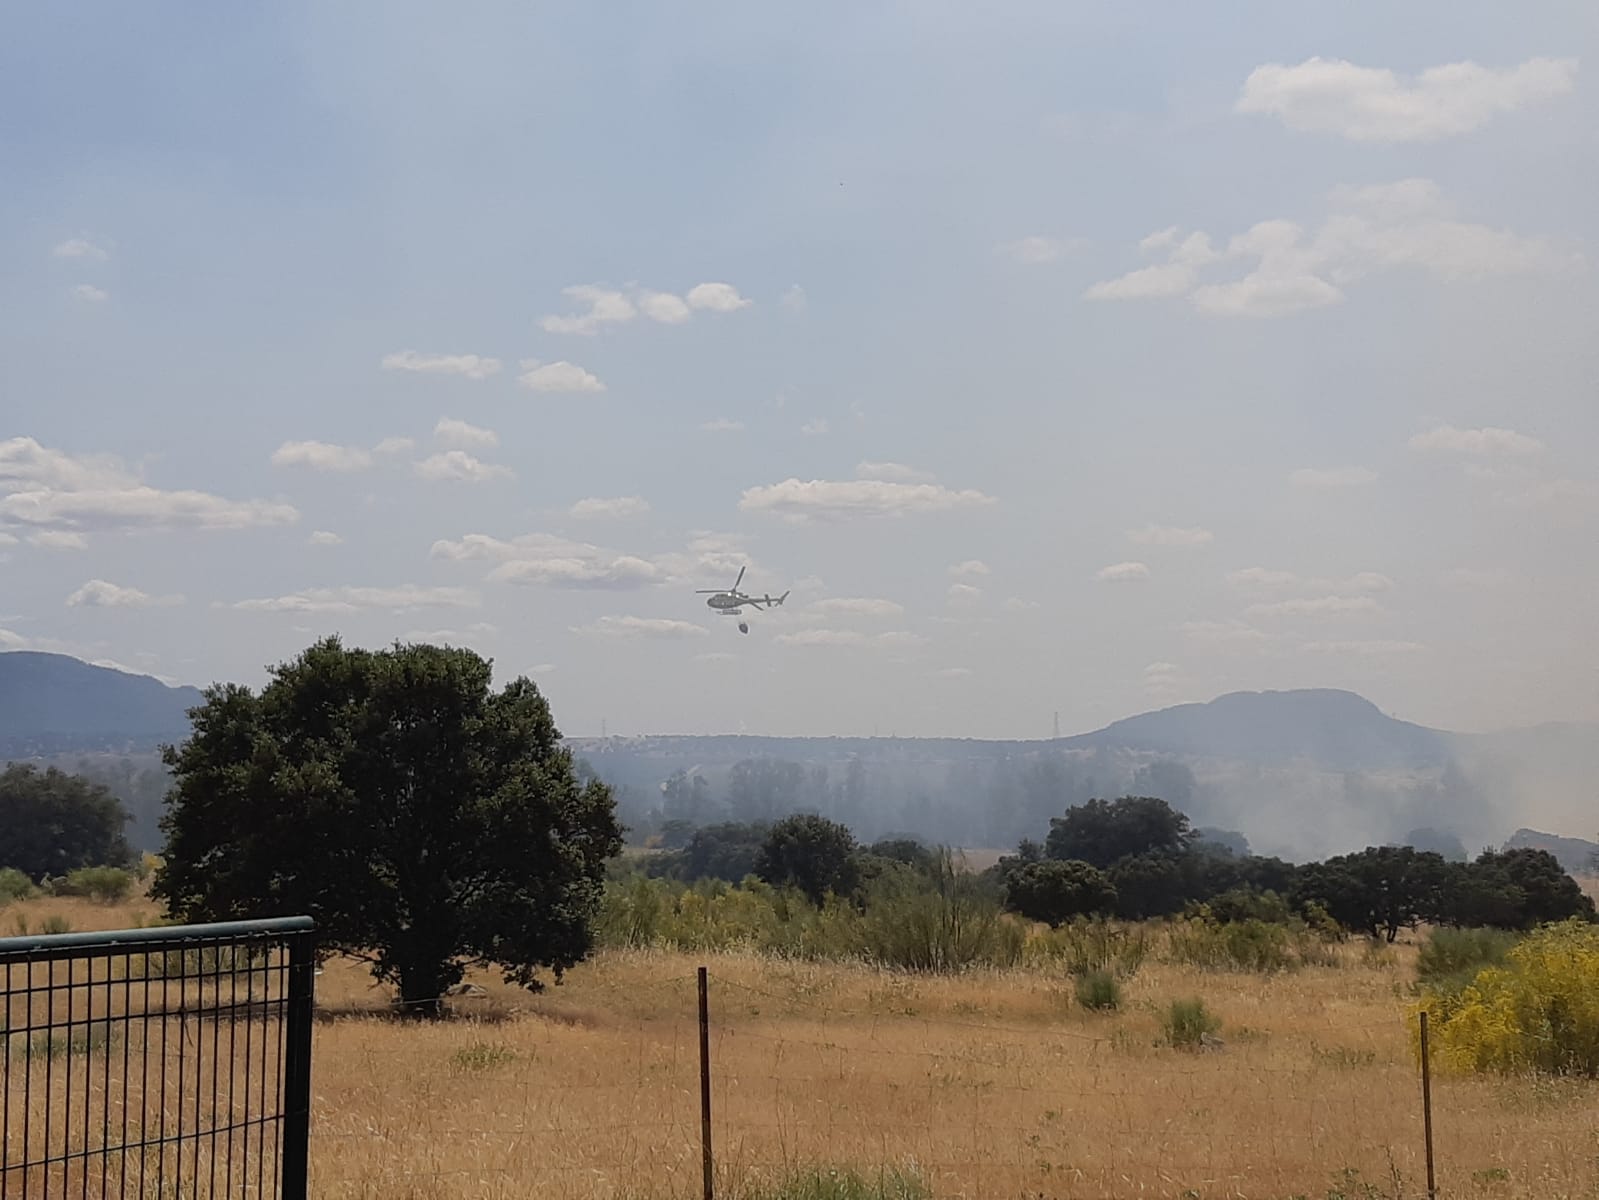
{"points": [[1538, 1012]]}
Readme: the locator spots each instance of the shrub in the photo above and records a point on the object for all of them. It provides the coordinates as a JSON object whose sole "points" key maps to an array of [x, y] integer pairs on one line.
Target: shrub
{"points": [[1246, 904], [1098, 991], [1056, 890], [1539, 1012], [14, 885], [1249, 945], [840, 1183], [946, 923], [108, 885], [1450, 958], [1186, 1023], [1093, 945]]}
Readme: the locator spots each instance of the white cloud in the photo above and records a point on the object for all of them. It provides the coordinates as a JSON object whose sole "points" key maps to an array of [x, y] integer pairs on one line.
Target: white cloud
{"points": [[395, 445], [1372, 104], [1547, 493], [722, 425], [452, 432], [664, 307], [142, 508], [354, 599], [7, 539], [1223, 633], [814, 427], [469, 366], [857, 606], [1039, 249], [91, 294], [838, 500], [1447, 439], [58, 539], [613, 506], [559, 376], [459, 466], [25, 464], [1122, 572], [98, 593], [1171, 535], [321, 456], [324, 537], [79, 247], [1262, 577], [1021, 604], [605, 307], [972, 568], [622, 573], [794, 300], [716, 297], [661, 628], [1332, 477], [1363, 649], [10, 640], [963, 593], [1316, 606], [1368, 230], [891, 471], [897, 639]]}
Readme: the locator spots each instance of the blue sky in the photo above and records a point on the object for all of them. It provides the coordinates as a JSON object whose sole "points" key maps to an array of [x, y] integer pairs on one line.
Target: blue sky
{"points": [[1056, 357]]}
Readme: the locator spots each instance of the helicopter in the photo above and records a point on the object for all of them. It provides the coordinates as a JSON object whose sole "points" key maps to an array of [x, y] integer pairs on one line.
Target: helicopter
{"points": [[729, 601]]}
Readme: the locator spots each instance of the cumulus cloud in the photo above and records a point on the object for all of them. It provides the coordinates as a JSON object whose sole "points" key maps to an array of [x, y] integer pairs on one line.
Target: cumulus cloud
{"points": [[460, 467], [44, 487], [79, 247], [613, 306], [722, 425], [841, 500], [857, 606], [963, 593], [321, 456], [1016, 604], [468, 366], [612, 506], [1332, 477], [716, 297], [1363, 649], [1223, 633], [1315, 606], [1374, 104], [98, 593], [1446, 439], [1122, 572], [657, 628], [1369, 230], [355, 599], [58, 539], [395, 445], [1171, 535], [1038, 249], [91, 294], [604, 307], [896, 639], [972, 568], [814, 427], [560, 376], [324, 537], [621, 573], [465, 436], [892, 471]]}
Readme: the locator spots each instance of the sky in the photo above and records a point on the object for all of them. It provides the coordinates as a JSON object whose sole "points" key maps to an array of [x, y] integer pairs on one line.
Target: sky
{"points": [[1071, 359]]}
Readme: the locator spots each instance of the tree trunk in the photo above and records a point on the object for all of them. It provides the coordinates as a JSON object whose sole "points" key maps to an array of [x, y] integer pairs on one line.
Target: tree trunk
{"points": [[422, 987]]}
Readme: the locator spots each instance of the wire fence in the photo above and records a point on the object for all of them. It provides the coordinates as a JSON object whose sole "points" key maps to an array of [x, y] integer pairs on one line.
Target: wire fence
{"points": [[168, 1062], [564, 1101]]}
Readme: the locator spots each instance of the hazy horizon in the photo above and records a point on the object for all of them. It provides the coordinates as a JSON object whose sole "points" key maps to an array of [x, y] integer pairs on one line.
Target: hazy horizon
{"points": [[1057, 360]]}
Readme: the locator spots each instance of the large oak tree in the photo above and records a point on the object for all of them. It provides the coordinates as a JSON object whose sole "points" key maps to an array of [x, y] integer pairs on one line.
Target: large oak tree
{"points": [[426, 822]]}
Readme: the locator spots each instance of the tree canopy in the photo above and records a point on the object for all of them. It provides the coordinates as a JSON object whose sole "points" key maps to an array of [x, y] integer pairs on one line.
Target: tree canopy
{"points": [[1102, 831], [425, 821], [810, 853], [52, 822], [1055, 891]]}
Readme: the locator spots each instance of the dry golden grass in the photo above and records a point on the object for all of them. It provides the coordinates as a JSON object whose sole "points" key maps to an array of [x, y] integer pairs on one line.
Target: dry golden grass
{"points": [[991, 1084]]}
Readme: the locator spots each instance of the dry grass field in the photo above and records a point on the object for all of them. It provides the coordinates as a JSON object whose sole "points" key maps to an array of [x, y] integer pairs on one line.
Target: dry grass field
{"points": [[986, 1085]]}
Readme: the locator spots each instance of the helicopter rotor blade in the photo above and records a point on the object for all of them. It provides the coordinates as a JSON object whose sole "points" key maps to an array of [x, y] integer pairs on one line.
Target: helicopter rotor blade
{"points": [[740, 578]]}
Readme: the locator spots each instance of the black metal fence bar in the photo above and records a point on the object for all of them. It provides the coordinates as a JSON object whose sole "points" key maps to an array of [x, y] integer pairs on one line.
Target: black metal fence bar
{"points": [[157, 1062]]}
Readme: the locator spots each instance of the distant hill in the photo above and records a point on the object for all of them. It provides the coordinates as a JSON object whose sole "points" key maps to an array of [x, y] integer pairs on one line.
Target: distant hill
{"points": [[1575, 854], [51, 703], [1330, 729]]}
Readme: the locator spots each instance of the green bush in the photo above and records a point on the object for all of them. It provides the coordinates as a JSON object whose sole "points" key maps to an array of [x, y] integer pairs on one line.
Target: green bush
{"points": [[839, 1183], [1186, 1023], [1539, 1012], [1099, 991], [1450, 958], [14, 885], [1093, 944], [108, 885]]}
